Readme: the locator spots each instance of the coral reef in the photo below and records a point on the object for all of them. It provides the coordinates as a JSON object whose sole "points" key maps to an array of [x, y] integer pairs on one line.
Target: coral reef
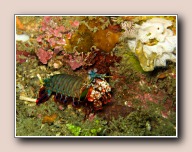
{"points": [[53, 36], [106, 39], [76, 60], [116, 55], [43, 55], [95, 32], [82, 40], [22, 56], [154, 43], [130, 31], [101, 61]]}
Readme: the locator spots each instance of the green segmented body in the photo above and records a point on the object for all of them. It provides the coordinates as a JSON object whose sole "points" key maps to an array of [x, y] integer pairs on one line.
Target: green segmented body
{"points": [[65, 84], [92, 91]]}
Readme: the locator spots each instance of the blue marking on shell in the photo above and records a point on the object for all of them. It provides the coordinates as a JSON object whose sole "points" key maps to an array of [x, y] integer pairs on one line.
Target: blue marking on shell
{"points": [[93, 75], [49, 92]]}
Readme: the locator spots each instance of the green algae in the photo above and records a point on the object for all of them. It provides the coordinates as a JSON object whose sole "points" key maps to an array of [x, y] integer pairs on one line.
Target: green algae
{"points": [[129, 60], [141, 123], [95, 127]]}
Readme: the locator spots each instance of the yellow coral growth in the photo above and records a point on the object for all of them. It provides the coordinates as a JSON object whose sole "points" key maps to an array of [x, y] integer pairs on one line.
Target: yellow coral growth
{"points": [[19, 25], [93, 32], [49, 119], [81, 41], [146, 62], [106, 39]]}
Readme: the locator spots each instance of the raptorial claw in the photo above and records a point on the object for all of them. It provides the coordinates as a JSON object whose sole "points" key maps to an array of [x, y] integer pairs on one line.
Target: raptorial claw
{"points": [[43, 96]]}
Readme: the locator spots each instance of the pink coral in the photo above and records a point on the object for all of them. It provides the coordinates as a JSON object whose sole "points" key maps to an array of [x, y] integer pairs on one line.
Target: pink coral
{"points": [[43, 55], [75, 23], [21, 56], [52, 35], [47, 19], [39, 38], [52, 42], [76, 61], [58, 30]]}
